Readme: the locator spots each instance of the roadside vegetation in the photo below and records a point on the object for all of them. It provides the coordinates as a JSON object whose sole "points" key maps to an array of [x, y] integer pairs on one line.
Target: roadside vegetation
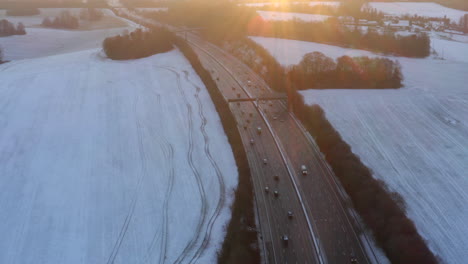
{"points": [[23, 12], [138, 44], [240, 243], [9, 29], [382, 210]]}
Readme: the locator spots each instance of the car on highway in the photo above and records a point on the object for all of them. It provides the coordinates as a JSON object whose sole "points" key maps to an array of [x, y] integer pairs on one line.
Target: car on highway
{"points": [[276, 193], [304, 170], [276, 177], [285, 240], [252, 142], [290, 214], [259, 130], [265, 161], [267, 189], [353, 260]]}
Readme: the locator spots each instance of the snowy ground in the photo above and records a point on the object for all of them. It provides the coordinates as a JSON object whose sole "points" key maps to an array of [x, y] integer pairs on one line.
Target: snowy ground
{"points": [[109, 20], [41, 42], [271, 15], [414, 138], [108, 162], [420, 9]]}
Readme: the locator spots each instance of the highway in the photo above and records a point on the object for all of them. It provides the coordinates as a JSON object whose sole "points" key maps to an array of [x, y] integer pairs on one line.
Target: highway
{"points": [[322, 229], [337, 236]]}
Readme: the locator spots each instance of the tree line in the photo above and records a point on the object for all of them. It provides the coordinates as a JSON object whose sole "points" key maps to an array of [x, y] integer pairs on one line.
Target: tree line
{"points": [[67, 20], [319, 71], [64, 20], [91, 14], [332, 32], [138, 44], [382, 210], [238, 244], [8, 29], [228, 21]]}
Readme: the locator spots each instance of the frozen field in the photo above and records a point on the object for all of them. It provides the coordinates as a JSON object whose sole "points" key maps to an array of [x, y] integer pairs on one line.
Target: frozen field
{"points": [[41, 42], [420, 9], [271, 15], [414, 138], [108, 162], [108, 21]]}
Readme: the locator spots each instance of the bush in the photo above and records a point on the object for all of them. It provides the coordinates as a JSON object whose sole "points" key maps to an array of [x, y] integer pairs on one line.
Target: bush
{"points": [[23, 12], [8, 29], [64, 20], [138, 44]]}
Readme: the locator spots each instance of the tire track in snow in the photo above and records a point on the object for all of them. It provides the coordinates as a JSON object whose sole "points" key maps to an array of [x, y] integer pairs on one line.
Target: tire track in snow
{"points": [[222, 186], [168, 152], [201, 188], [128, 218]]}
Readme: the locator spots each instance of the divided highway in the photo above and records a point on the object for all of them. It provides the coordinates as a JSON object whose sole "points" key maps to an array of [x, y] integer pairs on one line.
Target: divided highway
{"points": [[317, 202], [322, 228]]}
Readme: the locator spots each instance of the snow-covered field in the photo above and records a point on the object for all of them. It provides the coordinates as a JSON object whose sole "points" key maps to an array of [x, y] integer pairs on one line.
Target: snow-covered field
{"points": [[271, 15], [41, 42], [414, 138], [108, 162], [108, 21], [420, 9], [37, 19], [289, 52]]}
